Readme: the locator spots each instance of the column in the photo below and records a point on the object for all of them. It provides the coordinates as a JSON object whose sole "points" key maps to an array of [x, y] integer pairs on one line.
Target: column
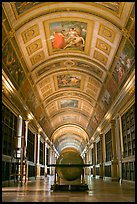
{"points": [[35, 149], [54, 162], [90, 161], [19, 136], [38, 155], [101, 156], [25, 146], [35, 154], [55, 177], [26, 138], [114, 166], [94, 164], [55, 172], [51, 161], [83, 179], [84, 158], [45, 159], [119, 147], [85, 169], [38, 152]]}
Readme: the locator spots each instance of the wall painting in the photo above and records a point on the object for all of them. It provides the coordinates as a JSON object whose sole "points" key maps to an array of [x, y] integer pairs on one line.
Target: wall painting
{"points": [[12, 63], [105, 100], [125, 62]]}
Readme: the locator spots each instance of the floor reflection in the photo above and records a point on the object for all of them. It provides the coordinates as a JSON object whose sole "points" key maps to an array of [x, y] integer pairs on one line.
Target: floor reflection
{"points": [[99, 191]]}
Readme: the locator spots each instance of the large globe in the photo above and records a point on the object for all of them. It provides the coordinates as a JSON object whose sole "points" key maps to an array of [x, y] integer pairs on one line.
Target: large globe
{"points": [[70, 173]]}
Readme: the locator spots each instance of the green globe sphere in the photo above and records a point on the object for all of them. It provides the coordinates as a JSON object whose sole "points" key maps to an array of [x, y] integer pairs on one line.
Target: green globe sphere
{"points": [[70, 173]]}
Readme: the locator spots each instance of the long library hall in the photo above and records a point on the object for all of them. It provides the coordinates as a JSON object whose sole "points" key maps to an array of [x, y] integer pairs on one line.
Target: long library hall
{"points": [[68, 102]]}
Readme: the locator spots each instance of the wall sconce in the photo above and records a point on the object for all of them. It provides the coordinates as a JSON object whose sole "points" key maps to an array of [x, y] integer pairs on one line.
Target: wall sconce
{"points": [[40, 129], [7, 84], [99, 129], [107, 116], [30, 116]]}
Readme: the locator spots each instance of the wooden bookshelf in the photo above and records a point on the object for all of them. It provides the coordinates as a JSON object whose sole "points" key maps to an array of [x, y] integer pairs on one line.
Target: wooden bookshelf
{"points": [[128, 135], [41, 153], [128, 132], [30, 146], [9, 131], [98, 152], [108, 144], [128, 170]]}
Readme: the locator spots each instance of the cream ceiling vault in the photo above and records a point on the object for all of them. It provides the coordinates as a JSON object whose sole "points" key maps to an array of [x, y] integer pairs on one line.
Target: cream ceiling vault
{"points": [[61, 58]]}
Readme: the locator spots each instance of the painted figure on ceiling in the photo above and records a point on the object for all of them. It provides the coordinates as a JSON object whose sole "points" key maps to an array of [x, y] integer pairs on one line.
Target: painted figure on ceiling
{"points": [[74, 38], [67, 34], [59, 40], [125, 62], [68, 81], [120, 70]]}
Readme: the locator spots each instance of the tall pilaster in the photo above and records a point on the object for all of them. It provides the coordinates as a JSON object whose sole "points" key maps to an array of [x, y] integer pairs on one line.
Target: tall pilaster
{"points": [[19, 135], [86, 157], [51, 161], [101, 156], [35, 149], [26, 138], [38, 152], [114, 167], [45, 157], [54, 162], [25, 144], [119, 150], [90, 160], [38, 155], [94, 164]]}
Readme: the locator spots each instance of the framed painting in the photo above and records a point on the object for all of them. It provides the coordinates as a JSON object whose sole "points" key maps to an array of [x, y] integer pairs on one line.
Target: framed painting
{"points": [[125, 62], [68, 34], [69, 103], [95, 70], [12, 64], [68, 118], [69, 81], [22, 7], [112, 87], [105, 100]]}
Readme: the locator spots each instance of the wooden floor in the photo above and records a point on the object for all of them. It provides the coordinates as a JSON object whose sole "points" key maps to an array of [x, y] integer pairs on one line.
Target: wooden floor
{"points": [[99, 191]]}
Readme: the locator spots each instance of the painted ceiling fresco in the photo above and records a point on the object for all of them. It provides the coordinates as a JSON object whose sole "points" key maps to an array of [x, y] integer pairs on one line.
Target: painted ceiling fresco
{"points": [[68, 61], [68, 34], [125, 62]]}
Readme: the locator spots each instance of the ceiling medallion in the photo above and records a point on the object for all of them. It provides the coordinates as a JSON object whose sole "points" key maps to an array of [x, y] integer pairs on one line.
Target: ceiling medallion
{"points": [[69, 63]]}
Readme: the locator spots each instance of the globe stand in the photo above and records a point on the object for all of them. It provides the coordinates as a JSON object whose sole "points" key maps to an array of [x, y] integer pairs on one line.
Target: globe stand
{"points": [[75, 185], [69, 172], [78, 187]]}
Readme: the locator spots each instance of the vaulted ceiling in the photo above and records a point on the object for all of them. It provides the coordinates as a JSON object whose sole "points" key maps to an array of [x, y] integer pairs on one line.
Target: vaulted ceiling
{"points": [[62, 59]]}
